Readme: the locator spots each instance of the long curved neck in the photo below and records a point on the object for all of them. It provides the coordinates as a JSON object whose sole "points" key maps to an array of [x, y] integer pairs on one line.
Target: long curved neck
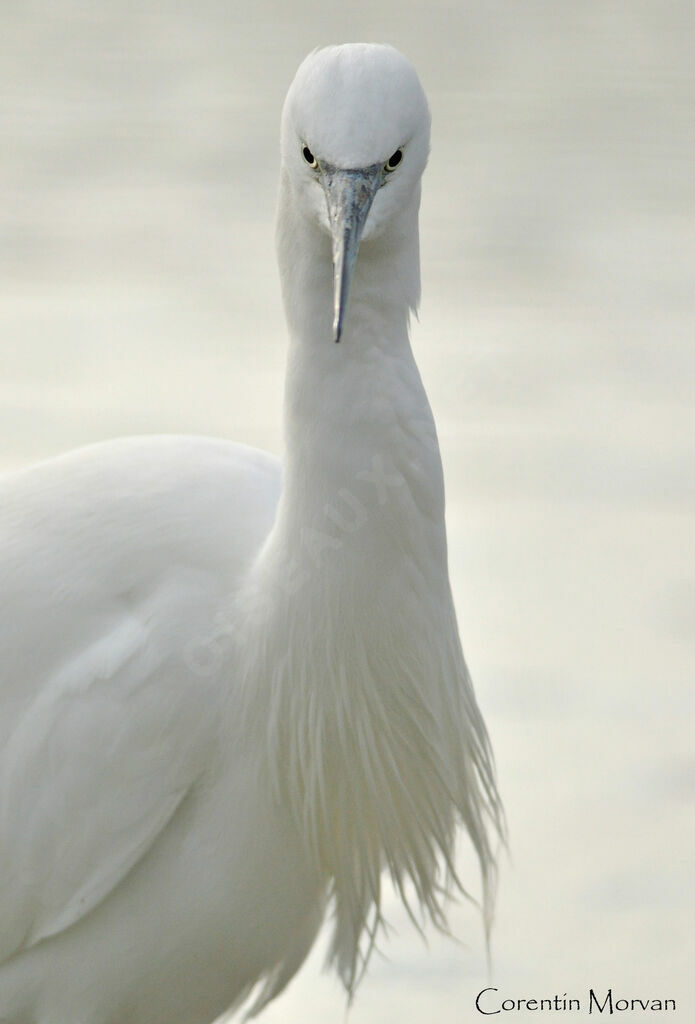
{"points": [[360, 438], [350, 653]]}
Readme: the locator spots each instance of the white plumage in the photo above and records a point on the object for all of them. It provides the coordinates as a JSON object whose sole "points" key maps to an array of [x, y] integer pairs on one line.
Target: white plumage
{"points": [[228, 698]]}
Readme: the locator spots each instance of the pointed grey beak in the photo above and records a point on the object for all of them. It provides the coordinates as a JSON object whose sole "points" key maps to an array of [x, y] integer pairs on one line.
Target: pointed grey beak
{"points": [[349, 196]]}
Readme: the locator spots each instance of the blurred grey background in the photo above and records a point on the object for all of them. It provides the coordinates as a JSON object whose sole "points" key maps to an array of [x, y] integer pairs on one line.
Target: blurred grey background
{"points": [[138, 293]]}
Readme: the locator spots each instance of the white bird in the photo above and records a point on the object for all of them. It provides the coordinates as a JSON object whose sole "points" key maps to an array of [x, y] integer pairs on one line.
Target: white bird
{"points": [[233, 696]]}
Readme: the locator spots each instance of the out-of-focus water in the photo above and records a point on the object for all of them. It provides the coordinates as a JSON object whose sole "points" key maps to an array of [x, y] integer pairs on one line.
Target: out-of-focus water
{"points": [[138, 293]]}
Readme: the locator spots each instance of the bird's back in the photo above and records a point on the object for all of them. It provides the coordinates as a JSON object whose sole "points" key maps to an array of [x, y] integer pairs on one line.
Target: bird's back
{"points": [[114, 560], [89, 538]]}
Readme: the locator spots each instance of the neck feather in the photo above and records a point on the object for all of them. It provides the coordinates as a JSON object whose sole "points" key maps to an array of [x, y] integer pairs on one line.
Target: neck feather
{"points": [[374, 735], [357, 407]]}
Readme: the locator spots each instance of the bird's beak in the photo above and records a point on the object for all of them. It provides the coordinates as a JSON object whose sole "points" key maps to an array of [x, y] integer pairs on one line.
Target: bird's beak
{"points": [[349, 196]]}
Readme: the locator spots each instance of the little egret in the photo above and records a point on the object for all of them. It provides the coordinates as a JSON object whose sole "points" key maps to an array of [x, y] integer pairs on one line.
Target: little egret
{"points": [[233, 697]]}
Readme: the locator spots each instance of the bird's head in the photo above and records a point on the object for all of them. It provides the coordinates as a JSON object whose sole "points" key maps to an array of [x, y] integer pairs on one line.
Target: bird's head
{"points": [[355, 140]]}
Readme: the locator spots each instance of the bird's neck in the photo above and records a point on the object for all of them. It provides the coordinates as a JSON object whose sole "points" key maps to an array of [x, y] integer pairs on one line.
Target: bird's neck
{"points": [[354, 411], [358, 548], [350, 644], [357, 555]]}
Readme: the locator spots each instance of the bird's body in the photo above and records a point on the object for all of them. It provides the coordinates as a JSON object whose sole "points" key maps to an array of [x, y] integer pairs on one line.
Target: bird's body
{"points": [[227, 694], [124, 639]]}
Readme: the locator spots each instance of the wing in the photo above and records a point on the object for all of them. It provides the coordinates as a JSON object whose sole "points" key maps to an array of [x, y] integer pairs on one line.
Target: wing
{"points": [[107, 726], [89, 779]]}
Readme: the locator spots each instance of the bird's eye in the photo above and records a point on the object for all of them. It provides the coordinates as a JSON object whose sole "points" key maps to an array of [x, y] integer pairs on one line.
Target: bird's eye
{"points": [[394, 160], [309, 156]]}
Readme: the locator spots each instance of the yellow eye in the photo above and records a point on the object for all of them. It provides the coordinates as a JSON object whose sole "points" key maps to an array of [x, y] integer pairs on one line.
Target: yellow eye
{"points": [[394, 160], [309, 156]]}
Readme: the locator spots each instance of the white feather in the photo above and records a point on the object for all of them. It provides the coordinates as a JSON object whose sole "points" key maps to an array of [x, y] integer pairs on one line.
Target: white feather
{"points": [[225, 700]]}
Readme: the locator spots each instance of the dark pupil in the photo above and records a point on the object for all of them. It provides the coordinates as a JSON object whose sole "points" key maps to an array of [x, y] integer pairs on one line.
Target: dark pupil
{"points": [[395, 159], [308, 155]]}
